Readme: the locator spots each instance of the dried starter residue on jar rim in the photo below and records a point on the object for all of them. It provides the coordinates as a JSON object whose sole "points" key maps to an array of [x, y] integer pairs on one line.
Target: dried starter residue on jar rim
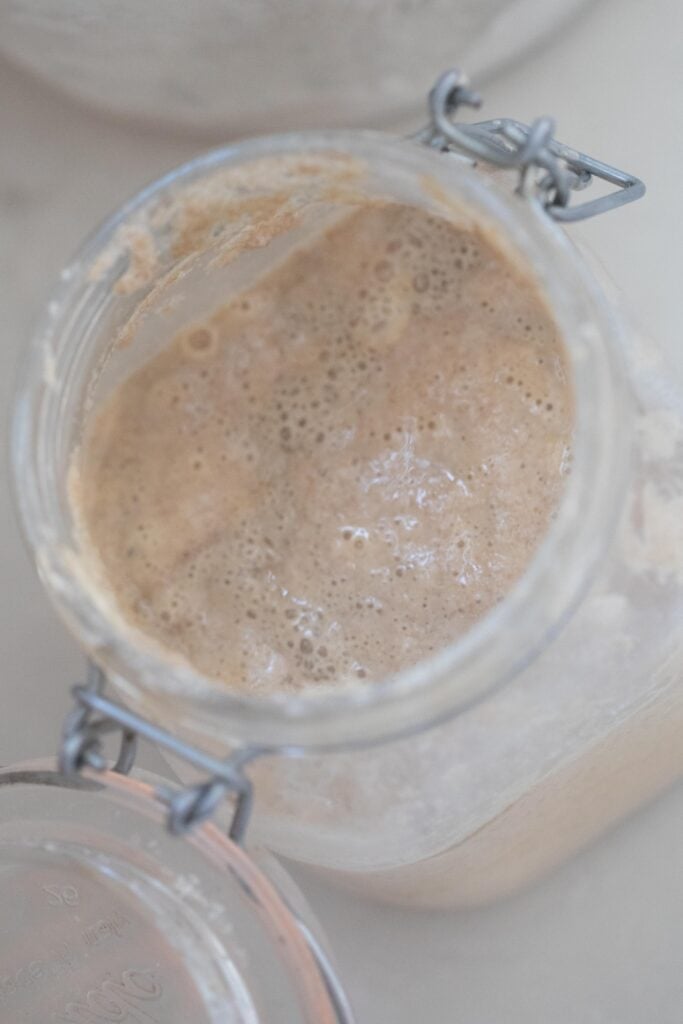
{"points": [[221, 217]]}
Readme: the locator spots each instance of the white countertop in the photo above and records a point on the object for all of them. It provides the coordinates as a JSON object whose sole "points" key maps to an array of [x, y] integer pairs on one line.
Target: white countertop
{"points": [[599, 941]]}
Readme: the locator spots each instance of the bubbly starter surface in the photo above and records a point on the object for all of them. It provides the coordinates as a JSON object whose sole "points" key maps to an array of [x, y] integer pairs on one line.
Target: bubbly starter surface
{"points": [[341, 470]]}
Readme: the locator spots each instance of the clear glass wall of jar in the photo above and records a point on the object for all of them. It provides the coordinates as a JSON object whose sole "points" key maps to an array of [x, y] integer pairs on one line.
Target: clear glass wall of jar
{"points": [[475, 771]]}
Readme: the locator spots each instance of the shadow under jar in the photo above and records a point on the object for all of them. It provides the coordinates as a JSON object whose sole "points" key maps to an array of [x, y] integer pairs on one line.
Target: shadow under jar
{"points": [[468, 774]]}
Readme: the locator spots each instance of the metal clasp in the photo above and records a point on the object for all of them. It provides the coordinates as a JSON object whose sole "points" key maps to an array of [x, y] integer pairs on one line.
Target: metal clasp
{"points": [[96, 716], [511, 144]]}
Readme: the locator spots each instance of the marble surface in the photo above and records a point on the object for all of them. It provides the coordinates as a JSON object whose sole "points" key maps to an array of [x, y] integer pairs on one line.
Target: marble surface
{"points": [[599, 941]]}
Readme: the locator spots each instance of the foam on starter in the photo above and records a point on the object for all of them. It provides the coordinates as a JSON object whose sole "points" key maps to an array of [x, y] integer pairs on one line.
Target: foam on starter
{"points": [[341, 470]]}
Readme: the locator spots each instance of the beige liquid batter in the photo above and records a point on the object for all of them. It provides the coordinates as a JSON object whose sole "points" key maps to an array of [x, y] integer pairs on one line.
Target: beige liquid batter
{"points": [[342, 469]]}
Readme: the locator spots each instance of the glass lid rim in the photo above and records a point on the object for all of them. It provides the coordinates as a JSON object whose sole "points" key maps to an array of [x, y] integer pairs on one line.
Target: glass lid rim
{"points": [[302, 949]]}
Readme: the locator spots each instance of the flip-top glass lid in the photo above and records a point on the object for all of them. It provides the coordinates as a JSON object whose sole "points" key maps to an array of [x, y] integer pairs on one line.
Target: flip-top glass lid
{"points": [[106, 917]]}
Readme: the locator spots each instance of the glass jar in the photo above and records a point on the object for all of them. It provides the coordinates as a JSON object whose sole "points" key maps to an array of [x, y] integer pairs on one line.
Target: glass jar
{"points": [[476, 770], [106, 917]]}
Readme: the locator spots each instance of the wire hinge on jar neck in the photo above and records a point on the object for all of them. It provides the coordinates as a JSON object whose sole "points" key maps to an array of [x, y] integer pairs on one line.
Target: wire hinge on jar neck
{"points": [[548, 170], [95, 716]]}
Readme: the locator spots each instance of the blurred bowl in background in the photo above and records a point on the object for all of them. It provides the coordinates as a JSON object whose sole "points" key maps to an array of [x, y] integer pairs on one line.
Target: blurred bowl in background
{"points": [[228, 67]]}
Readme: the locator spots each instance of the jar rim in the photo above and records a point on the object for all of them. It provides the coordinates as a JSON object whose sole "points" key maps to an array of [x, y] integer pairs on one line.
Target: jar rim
{"points": [[495, 648]]}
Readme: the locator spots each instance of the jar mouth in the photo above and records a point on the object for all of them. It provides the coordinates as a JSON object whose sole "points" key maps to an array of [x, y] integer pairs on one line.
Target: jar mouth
{"points": [[492, 651]]}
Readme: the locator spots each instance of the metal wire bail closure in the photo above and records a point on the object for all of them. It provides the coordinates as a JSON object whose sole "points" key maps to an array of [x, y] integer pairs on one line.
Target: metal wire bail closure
{"points": [[507, 143], [95, 716], [82, 738]]}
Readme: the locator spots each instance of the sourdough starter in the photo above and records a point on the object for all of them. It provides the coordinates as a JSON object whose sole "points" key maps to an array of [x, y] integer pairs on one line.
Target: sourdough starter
{"points": [[340, 470]]}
